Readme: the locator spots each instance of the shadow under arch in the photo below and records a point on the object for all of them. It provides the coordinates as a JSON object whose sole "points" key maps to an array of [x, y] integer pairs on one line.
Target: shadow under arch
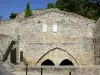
{"points": [[54, 49], [47, 63], [66, 62]]}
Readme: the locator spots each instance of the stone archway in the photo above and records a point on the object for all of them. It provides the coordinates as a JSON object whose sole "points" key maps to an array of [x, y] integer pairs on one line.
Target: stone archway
{"points": [[56, 55], [66, 62], [47, 63]]}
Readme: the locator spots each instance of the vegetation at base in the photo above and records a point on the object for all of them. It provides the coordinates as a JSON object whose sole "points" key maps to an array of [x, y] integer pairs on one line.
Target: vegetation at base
{"points": [[50, 5], [12, 15], [28, 11], [89, 9]]}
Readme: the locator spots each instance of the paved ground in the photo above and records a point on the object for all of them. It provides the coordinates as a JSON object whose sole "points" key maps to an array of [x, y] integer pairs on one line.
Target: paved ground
{"points": [[3, 71]]}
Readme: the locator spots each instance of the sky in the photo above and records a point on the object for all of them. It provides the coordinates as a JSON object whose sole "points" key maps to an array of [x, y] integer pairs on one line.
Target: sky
{"points": [[16, 6]]}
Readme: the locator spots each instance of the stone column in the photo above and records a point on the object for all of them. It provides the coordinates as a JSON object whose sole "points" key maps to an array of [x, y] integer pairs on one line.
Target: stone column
{"points": [[9, 56], [18, 52], [1, 56]]}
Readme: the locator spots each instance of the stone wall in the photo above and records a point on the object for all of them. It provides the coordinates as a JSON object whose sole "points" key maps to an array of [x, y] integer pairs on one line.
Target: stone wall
{"points": [[74, 35], [74, 70], [8, 32], [4, 43], [34, 12], [96, 32]]}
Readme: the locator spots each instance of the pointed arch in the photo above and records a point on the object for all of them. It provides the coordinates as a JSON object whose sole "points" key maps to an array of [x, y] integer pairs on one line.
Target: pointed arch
{"points": [[75, 62], [66, 62], [47, 63]]}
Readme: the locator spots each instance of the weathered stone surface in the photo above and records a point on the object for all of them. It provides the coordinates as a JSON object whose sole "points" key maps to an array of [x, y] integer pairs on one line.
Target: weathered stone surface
{"points": [[83, 70], [74, 35], [4, 71], [96, 33], [74, 39]]}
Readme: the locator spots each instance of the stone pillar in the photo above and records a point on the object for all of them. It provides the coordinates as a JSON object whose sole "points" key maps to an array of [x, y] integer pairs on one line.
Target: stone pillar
{"points": [[9, 57], [18, 52], [1, 56]]}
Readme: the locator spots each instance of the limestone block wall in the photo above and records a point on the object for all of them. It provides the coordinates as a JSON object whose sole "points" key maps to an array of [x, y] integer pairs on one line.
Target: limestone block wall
{"points": [[74, 35], [74, 70], [9, 27], [74, 38], [96, 32], [8, 32], [34, 12], [4, 43]]}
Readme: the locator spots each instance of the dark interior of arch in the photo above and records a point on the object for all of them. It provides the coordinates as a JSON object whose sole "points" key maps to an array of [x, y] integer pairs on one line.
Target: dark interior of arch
{"points": [[66, 62], [47, 63]]}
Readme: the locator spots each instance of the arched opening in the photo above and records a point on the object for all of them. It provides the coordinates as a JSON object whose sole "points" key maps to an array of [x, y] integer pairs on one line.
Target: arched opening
{"points": [[66, 62], [47, 63], [60, 53]]}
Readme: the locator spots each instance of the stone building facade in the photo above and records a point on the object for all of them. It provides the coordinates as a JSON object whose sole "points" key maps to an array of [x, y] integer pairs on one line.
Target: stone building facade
{"points": [[52, 35]]}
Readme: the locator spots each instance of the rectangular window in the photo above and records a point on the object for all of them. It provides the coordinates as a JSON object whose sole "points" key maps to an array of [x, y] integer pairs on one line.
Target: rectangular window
{"points": [[44, 28], [54, 28], [21, 56]]}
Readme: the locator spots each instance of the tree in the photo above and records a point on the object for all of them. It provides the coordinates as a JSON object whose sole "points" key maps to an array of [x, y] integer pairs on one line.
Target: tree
{"points": [[86, 8], [28, 11], [50, 5], [13, 15], [62, 4]]}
